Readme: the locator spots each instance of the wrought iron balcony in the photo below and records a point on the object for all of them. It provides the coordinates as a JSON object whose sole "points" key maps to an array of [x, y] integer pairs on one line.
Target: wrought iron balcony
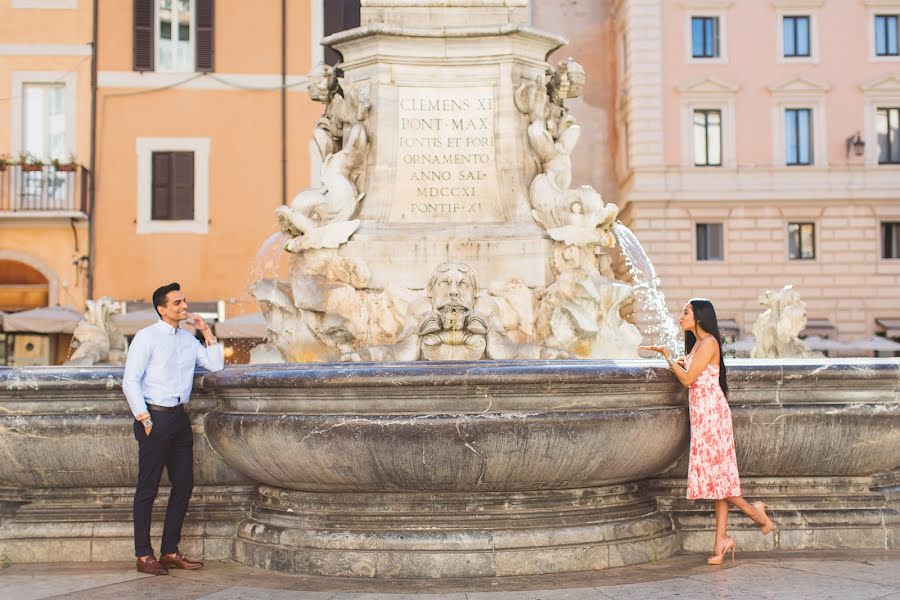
{"points": [[43, 191]]}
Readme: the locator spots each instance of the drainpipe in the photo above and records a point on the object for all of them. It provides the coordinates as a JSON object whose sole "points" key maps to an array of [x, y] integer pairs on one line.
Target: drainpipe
{"points": [[93, 174], [283, 102]]}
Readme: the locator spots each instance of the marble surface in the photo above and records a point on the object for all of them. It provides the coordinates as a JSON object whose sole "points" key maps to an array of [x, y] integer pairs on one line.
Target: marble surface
{"points": [[819, 576]]}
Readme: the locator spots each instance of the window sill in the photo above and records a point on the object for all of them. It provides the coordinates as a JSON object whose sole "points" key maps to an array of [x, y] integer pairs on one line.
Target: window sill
{"points": [[151, 227]]}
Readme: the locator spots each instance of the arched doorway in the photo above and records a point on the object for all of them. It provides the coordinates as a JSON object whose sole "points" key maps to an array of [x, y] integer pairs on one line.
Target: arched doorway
{"points": [[26, 283], [22, 287]]}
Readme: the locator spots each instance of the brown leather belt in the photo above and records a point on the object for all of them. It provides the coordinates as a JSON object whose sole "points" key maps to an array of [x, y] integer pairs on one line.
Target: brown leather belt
{"points": [[169, 409]]}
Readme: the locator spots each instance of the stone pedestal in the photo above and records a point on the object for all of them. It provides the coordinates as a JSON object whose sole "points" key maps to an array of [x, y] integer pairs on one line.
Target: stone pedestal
{"points": [[448, 171], [422, 470], [462, 534], [95, 524]]}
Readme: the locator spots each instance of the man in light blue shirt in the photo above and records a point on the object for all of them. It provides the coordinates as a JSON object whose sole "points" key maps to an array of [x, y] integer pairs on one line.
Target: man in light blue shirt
{"points": [[159, 375]]}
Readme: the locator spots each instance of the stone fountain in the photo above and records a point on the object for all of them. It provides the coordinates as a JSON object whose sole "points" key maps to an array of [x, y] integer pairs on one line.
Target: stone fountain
{"points": [[449, 261], [446, 148]]}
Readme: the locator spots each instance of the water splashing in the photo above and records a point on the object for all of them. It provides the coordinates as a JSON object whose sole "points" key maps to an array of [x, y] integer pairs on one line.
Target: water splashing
{"points": [[653, 316], [268, 258]]}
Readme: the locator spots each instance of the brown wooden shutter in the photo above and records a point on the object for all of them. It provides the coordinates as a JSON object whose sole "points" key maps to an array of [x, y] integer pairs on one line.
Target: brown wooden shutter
{"points": [[173, 186], [162, 177], [340, 15], [205, 43], [183, 186], [143, 35]]}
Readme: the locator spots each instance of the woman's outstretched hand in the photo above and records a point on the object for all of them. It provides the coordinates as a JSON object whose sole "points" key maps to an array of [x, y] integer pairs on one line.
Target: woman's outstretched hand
{"points": [[661, 349]]}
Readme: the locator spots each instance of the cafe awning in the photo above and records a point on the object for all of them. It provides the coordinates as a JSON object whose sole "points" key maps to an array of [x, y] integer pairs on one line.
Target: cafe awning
{"points": [[252, 325], [132, 322], [820, 327], [821, 344], [889, 326], [49, 319], [743, 346], [874, 343]]}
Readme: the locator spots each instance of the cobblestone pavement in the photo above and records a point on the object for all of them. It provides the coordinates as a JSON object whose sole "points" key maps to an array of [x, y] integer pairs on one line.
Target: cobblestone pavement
{"points": [[820, 576]]}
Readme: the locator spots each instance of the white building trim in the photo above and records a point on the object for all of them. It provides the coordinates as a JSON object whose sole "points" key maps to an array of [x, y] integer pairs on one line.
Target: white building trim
{"points": [[145, 146], [19, 79], [706, 9], [45, 4], [199, 81], [766, 184], [714, 94], [799, 92], [881, 92], [316, 31], [643, 41], [880, 7], [798, 8], [45, 50]]}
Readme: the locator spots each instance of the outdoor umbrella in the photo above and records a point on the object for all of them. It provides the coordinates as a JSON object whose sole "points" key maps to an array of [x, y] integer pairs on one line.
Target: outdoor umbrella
{"points": [[252, 325], [821, 344], [50, 319], [131, 323], [744, 345], [874, 343]]}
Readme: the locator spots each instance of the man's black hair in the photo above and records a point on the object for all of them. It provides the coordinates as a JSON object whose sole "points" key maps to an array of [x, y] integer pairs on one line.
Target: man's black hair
{"points": [[159, 296]]}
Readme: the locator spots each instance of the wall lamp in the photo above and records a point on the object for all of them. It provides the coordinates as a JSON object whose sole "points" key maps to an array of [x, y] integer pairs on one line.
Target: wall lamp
{"points": [[856, 142]]}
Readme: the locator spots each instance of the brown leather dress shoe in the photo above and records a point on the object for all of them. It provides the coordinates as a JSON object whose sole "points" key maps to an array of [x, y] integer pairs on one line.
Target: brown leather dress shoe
{"points": [[177, 561], [151, 566]]}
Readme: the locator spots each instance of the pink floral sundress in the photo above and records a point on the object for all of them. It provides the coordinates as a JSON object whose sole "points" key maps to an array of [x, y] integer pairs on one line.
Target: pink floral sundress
{"points": [[712, 465]]}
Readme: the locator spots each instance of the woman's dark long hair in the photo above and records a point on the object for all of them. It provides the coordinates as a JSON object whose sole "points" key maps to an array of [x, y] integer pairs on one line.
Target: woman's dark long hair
{"points": [[705, 316]]}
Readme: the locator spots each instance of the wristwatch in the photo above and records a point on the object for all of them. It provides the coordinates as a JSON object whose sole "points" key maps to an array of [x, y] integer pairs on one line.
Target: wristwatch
{"points": [[148, 422]]}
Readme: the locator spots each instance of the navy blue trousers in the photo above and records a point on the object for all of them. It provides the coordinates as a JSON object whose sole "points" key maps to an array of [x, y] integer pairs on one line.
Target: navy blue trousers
{"points": [[170, 445]]}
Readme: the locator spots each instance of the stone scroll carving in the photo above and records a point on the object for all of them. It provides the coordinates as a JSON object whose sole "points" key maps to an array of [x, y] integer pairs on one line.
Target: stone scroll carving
{"points": [[777, 329], [453, 321], [96, 339], [321, 217], [572, 216]]}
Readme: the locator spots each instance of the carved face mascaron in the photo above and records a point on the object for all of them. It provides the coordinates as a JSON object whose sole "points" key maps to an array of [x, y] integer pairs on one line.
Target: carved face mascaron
{"points": [[452, 290]]}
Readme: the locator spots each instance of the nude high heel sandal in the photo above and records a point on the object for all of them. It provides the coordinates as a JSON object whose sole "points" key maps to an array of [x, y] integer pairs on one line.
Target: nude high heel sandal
{"points": [[769, 525], [720, 558]]}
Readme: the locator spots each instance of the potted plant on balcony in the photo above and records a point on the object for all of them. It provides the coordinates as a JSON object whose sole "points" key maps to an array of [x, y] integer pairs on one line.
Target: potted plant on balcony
{"points": [[5, 161], [30, 162], [68, 166]]}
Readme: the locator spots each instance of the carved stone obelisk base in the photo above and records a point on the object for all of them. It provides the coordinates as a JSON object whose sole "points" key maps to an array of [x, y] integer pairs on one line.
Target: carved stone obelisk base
{"points": [[442, 534]]}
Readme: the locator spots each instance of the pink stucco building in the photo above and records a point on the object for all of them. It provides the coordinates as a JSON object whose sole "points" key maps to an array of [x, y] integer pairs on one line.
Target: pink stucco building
{"points": [[755, 144]]}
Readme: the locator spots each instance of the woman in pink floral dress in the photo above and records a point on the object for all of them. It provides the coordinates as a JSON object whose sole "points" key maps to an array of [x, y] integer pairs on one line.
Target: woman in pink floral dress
{"points": [[712, 466]]}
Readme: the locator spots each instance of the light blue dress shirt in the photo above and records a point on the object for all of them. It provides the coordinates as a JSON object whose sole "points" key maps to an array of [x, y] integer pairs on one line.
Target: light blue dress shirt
{"points": [[159, 367]]}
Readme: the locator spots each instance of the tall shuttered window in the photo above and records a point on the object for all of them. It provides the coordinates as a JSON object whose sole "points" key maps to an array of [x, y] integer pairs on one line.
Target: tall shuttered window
{"points": [[801, 241], [798, 140], [710, 241], [887, 30], [708, 138], [887, 128], [173, 186], [174, 35], [890, 239], [705, 37], [796, 32], [339, 15]]}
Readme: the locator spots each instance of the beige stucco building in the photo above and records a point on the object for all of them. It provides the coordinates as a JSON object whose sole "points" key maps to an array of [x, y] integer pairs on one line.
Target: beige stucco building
{"points": [[192, 116]]}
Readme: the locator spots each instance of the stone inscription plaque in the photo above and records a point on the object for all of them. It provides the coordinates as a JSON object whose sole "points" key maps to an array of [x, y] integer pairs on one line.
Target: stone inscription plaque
{"points": [[446, 159]]}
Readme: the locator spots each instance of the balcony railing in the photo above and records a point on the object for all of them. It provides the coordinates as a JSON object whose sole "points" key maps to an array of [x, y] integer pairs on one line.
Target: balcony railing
{"points": [[30, 190]]}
